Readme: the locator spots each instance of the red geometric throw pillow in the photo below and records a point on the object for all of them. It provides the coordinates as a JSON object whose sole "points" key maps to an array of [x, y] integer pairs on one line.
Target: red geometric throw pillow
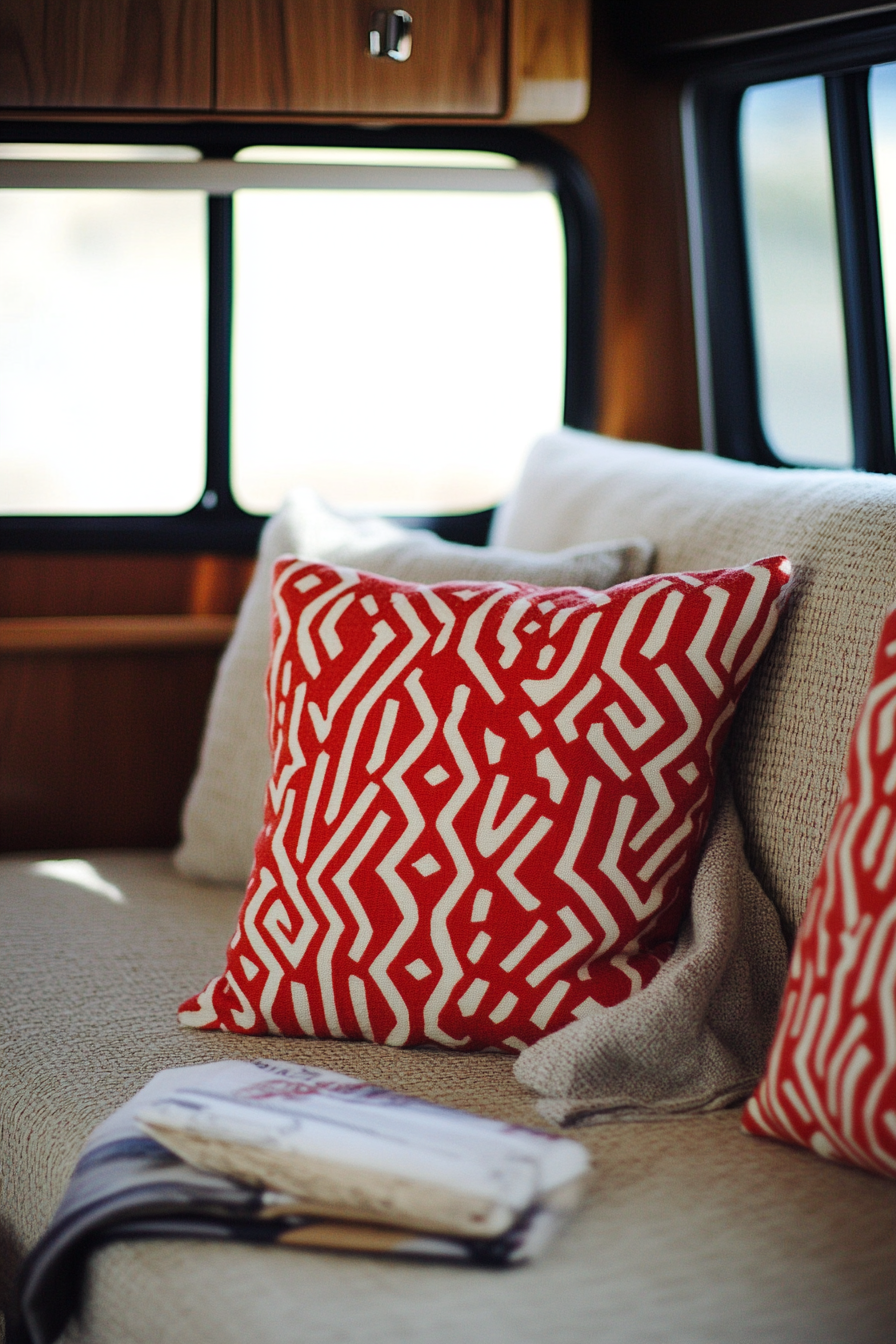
{"points": [[830, 1084], [487, 799]]}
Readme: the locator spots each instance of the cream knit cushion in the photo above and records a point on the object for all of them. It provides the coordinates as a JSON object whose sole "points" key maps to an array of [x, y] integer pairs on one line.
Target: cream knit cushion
{"points": [[223, 811], [839, 529]]}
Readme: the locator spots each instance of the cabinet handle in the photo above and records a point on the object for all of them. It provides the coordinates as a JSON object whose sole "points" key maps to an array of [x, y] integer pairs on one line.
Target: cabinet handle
{"points": [[390, 34]]}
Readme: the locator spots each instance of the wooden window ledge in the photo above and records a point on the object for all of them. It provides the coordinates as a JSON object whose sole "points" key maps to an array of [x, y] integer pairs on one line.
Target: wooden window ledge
{"points": [[110, 634]]}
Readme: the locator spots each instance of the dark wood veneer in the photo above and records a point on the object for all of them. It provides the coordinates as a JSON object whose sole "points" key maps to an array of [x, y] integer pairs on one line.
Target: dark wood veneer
{"points": [[98, 749], [152, 54], [106, 665]]}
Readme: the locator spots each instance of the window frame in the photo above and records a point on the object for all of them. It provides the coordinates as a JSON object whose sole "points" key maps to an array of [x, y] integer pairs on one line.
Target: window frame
{"points": [[726, 340], [223, 526]]}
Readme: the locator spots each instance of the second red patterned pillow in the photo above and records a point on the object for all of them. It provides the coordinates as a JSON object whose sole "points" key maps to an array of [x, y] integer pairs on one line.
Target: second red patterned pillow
{"points": [[487, 800], [831, 1078]]}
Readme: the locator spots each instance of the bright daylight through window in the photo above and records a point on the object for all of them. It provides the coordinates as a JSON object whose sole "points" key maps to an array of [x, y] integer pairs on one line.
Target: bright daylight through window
{"points": [[102, 342], [398, 326], [883, 135], [795, 273]]}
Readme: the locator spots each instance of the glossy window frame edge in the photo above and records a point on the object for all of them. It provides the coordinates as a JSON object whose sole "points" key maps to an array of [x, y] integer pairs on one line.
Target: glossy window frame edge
{"points": [[723, 314], [225, 527]]}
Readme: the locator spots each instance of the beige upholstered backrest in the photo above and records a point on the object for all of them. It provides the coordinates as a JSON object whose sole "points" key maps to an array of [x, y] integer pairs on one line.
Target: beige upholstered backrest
{"points": [[839, 529]]}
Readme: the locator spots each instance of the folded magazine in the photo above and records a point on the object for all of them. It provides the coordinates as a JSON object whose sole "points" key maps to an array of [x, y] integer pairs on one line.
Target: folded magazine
{"points": [[264, 1151]]}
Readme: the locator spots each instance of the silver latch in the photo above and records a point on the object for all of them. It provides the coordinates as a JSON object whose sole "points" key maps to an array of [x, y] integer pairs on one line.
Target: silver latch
{"points": [[390, 33]]}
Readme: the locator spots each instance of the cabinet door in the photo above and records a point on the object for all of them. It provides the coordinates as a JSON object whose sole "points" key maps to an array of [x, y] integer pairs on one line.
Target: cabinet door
{"points": [[312, 56], [105, 53]]}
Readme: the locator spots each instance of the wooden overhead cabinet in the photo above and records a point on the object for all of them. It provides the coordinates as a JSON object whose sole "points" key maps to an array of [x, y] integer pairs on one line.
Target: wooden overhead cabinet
{"points": [[502, 60], [106, 54], [515, 60], [314, 56], [549, 61]]}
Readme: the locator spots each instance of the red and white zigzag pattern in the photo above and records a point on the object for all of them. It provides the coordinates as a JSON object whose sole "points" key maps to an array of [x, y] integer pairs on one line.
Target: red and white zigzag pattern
{"points": [[831, 1078], [486, 803]]}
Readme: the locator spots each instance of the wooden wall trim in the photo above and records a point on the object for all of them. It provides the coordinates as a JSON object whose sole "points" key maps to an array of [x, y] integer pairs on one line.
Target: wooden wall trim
{"points": [[94, 634]]}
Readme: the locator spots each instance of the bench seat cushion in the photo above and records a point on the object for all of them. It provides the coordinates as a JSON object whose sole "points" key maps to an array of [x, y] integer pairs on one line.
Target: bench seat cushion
{"points": [[693, 1231]]}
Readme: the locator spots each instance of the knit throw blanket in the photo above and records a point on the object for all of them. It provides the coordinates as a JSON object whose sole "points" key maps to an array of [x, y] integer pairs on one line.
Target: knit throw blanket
{"points": [[697, 1037]]}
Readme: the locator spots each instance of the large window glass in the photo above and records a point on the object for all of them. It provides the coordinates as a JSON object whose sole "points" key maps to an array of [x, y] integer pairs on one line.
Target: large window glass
{"points": [[189, 335], [882, 93], [397, 348], [794, 273], [102, 345]]}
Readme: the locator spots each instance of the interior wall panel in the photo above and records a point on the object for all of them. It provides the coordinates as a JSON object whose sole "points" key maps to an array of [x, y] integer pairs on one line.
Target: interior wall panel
{"points": [[97, 748], [630, 144], [122, 585]]}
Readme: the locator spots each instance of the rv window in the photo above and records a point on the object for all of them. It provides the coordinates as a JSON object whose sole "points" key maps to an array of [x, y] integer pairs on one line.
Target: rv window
{"points": [[883, 131], [792, 210], [102, 351], [102, 312], [794, 273], [193, 336], [397, 348]]}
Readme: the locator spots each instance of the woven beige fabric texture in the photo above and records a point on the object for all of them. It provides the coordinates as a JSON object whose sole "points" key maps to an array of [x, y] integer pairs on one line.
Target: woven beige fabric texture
{"points": [[89, 989], [223, 811], [839, 529], [697, 1037], [693, 1232]]}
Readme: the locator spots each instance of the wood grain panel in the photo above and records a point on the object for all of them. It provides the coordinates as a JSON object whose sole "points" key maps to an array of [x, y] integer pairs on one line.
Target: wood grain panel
{"points": [[122, 585], [630, 144], [554, 39], [98, 749], [311, 56], [106, 54], [82, 634], [550, 62], [98, 744]]}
